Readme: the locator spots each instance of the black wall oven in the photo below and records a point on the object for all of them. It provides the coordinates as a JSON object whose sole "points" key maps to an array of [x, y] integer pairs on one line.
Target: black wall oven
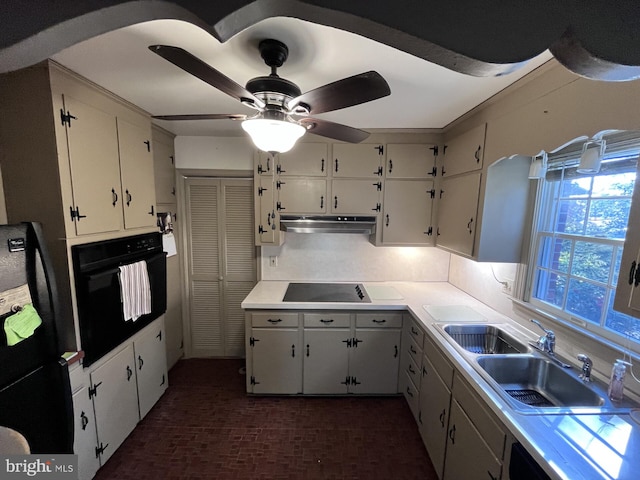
{"points": [[100, 313]]}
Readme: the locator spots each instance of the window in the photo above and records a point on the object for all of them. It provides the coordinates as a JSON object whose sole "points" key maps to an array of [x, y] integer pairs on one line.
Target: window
{"points": [[579, 233]]}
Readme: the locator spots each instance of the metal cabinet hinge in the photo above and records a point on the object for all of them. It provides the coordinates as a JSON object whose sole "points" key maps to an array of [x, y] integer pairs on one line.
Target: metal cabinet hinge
{"points": [[432, 192], [66, 118], [434, 149], [253, 381], [252, 341], [75, 214], [380, 149], [100, 450], [94, 391], [429, 231]]}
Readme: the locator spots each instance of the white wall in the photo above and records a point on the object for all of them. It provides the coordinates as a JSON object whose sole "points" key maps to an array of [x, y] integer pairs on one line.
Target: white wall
{"points": [[350, 257], [214, 153]]}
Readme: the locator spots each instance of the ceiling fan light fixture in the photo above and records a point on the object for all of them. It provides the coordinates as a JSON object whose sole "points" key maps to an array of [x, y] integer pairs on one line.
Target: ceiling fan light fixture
{"points": [[273, 135]]}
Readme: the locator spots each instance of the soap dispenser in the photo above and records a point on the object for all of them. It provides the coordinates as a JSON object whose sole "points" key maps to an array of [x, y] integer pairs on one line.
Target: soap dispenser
{"points": [[616, 384]]}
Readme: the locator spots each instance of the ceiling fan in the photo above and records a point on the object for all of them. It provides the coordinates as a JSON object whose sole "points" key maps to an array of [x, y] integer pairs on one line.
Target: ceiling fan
{"points": [[283, 111]]}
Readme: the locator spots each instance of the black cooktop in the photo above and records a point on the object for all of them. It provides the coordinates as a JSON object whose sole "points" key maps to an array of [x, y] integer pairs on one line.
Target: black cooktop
{"points": [[326, 292]]}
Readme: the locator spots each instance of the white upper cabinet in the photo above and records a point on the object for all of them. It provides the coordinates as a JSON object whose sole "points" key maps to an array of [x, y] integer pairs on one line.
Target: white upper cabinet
{"points": [[465, 152], [411, 160], [407, 212], [364, 160], [305, 159], [136, 171], [92, 140]]}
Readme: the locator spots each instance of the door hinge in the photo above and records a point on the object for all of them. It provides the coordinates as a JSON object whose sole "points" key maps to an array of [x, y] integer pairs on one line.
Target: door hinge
{"points": [[378, 186], [261, 190], [100, 450], [260, 169], [356, 342], [433, 172], [253, 381], [66, 118], [380, 149], [379, 171], [354, 381], [348, 342], [279, 206], [377, 208], [75, 214], [432, 192], [279, 183], [434, 149], [279, 169], [252, 341], [261, 230], [94, 391], [429, 231]]}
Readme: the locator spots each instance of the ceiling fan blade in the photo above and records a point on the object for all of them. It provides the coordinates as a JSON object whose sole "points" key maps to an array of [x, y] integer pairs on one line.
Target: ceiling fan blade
{"points": [[202, 116], [333, 130], [205, 72], [347, 92]]}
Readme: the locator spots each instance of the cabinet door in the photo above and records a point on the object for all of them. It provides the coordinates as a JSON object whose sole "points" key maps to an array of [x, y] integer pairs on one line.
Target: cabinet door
{"points": [[85, 439], [302, 195], [267, 230], [326, 361], [357, 161], [306, 159], [468, 456], [151, 365], [433, 416], [164, 172], [410, 161], [457, 213], [92, 140], [407, 212], [277, 360], [358, 197], [136, 167], [374, 361], [115, 402], [465, 152]]}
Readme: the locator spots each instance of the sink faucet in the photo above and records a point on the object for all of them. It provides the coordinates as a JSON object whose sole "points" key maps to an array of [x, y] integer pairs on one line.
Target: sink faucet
{"points": [[585, 376], [547, 342]]}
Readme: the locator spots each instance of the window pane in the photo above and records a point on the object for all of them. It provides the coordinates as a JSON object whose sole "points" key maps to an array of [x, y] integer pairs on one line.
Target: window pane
{"points": [[571, 216], [550, 287], [586, 300], [592, 261], [576, 187], [621, 323], [608, 218], [618, 185], [555, 254], [616, 268]]}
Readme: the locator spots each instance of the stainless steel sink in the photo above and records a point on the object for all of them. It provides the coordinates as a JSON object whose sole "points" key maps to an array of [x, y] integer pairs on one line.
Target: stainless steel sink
{"points": [[484, 339], [538, 383]]}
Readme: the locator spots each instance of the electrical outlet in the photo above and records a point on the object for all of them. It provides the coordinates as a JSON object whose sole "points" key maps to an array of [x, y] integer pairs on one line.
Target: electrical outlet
{"points": [[507, 287], [273, 261]]}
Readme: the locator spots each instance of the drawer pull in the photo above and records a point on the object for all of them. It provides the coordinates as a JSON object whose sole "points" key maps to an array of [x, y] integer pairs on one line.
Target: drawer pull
{"points": [[274, 320], [129, 373], [85, 420], [414, 331], [395, 353], [412, 350], [452, 435], [379, 322], [444, 412], [293, 351], [409, 392], [325, 321], [307, 349], [411, 369]]}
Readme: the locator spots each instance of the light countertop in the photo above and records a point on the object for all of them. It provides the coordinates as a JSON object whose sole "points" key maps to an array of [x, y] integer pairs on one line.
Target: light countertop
{"points": [[567, 446]]}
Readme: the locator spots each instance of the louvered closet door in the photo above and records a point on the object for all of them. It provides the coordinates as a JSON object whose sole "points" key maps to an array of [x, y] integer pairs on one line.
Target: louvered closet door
{"points": [[222, 264]]}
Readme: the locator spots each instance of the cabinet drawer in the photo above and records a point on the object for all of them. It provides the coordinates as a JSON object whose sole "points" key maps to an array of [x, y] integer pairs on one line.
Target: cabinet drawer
{"points": [[415, 332], [414, 351], [441, 365], [381, 320], [483, 421], [411, 394], [411, 368], [335, 320], [274, 319]]}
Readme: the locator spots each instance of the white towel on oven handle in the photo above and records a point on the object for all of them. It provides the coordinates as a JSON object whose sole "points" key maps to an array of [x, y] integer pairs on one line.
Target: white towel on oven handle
{"points": [[135, 290]]}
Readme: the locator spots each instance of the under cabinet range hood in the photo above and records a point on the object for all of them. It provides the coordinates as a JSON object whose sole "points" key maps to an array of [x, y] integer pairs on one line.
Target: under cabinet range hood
{"points": [[328, 224]]}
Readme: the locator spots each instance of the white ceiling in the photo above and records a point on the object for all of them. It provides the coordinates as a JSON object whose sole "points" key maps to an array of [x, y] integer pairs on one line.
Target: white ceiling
{"points": [[423, 95]]}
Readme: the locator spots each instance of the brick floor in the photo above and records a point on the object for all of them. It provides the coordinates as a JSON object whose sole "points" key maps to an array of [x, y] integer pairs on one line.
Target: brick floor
{"points": [[206, 427]]}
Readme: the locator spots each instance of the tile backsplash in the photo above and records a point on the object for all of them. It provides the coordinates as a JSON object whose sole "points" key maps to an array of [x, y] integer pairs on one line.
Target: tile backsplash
{"points": [[351, 257]]}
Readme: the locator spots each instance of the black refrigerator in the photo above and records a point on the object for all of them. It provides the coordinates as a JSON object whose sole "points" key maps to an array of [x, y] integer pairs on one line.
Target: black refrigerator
{"points": [[35, 394]]}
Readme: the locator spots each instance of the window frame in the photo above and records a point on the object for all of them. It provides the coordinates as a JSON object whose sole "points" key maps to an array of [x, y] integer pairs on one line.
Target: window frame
{"points": [[568, 157]]}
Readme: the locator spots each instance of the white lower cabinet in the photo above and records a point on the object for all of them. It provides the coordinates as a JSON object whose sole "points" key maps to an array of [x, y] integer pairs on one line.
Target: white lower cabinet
{"points": [[84, 440], [328, 353], [115, 400], [114, 394]]}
